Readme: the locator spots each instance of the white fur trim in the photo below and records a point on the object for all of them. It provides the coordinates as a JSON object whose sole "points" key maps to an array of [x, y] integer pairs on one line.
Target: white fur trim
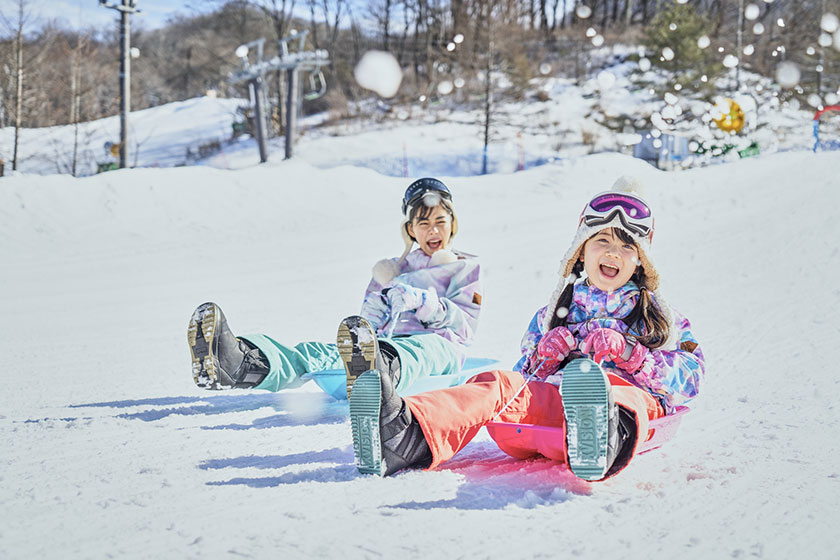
{"points": [[386, 270], [444, 256]]}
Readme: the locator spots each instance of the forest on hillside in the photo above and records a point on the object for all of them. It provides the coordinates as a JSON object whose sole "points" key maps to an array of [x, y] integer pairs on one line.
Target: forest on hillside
{"points": [[51, 74]]}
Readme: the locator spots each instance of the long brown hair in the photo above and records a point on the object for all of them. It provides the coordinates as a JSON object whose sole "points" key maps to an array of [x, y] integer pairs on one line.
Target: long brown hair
{"points": [[645, 317]]}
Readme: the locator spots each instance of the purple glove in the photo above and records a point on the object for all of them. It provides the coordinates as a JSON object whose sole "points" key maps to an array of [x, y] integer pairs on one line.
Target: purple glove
{"points": [[402, 297], [604, 344], [375, 309]]}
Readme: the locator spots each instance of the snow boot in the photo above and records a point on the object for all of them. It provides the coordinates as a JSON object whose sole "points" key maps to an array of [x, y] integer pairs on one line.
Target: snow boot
{"points": [[357, 346], [592, 419], [219, 359], [386, 436]]}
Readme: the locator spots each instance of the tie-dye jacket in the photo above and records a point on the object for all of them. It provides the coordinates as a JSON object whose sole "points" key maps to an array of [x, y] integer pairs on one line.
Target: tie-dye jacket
{"points": [[672, 375], [459, 290]]}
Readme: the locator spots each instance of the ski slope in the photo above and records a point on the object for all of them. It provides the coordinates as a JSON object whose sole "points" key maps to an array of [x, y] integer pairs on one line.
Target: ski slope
{"points": [[109, 450]]}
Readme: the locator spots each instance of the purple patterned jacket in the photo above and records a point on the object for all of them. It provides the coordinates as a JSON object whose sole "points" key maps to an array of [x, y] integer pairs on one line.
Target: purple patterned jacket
{"points": [[671, 374]]}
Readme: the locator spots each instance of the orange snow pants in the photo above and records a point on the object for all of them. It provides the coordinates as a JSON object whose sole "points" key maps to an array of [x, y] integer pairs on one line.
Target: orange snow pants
{"points": [[450, 418]]}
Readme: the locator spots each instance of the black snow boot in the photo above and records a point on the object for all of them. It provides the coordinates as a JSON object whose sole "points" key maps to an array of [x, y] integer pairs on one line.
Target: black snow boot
{"points": [[625, 440], [386, 436], [219, 359]]}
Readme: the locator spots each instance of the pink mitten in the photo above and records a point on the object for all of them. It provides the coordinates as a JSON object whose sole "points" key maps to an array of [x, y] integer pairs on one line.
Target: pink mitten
{"points": [[604, 344], [556, 344]]}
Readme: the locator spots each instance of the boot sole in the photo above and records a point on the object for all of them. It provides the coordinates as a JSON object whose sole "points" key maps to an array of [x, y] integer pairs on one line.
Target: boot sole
{"points": [[586, 402], [358, 353], [365, 403], [200, 331]]}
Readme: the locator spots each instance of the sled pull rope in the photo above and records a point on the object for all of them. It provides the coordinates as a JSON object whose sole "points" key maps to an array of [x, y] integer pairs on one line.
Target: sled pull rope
{"points": [[528, 380], [516, 394], [394, 320]]}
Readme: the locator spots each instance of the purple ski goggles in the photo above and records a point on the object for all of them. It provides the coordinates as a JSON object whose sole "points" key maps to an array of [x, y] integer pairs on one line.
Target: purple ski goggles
{"points": [[633, 212]]}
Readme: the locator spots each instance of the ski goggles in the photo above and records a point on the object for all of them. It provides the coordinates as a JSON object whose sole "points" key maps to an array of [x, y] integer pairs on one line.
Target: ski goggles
{"points": [[633, 212], [420, 187]]}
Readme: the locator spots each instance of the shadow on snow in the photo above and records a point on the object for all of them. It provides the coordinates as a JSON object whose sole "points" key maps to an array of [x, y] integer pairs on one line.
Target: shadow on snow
{"points": [[343, 472], [296, 409], [491, 480]]}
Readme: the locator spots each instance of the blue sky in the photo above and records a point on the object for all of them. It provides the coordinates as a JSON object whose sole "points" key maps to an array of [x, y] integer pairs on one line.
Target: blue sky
{"points": [[77, 14], [85, 13]]}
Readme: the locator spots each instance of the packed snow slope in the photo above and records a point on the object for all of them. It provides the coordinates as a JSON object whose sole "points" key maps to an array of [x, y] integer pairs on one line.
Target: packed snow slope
{"points": [[109, 450]]}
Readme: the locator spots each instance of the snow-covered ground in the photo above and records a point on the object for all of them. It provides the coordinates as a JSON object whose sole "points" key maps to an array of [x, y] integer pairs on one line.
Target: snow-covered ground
{"points": [[109, 450]]}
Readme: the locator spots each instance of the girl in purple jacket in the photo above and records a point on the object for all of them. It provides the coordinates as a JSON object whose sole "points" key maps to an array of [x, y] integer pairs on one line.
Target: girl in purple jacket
{"points": [[419, 312]]}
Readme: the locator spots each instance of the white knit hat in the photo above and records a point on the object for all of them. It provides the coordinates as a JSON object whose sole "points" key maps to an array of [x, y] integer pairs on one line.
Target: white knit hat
{"points": [[584, 232]]}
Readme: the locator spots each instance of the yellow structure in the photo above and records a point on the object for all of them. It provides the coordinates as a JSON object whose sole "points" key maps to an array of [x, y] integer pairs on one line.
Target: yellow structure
{"points": [[731, 117]]}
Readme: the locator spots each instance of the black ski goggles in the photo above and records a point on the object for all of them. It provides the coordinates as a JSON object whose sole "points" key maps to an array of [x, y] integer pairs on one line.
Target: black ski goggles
{"points": [[420, 187]]}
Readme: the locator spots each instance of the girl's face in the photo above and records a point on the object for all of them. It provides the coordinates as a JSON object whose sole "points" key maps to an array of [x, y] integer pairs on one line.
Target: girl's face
{"points": [[609, 262], [432, 232]]}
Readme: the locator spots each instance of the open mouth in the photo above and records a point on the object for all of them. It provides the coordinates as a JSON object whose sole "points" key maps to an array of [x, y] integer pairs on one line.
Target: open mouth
{"points": [[609, 270], [435, 244]]}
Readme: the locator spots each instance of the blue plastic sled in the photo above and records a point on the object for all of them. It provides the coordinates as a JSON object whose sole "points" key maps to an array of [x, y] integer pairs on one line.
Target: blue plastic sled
{"points": [[334, 381]]}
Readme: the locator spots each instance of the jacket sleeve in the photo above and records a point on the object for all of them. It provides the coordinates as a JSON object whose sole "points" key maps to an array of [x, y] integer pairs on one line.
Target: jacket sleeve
{"points": [[458, 308], [528, 347], [373, 287], [674, 376]]}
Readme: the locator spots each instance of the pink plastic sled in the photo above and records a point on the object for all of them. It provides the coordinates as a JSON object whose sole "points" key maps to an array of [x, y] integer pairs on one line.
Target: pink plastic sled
{"points": [[527, 440]]}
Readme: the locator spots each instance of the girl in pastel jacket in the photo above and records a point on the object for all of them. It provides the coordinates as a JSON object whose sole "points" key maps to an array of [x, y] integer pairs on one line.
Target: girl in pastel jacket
{"points": [[606, 307], [424, 305]]}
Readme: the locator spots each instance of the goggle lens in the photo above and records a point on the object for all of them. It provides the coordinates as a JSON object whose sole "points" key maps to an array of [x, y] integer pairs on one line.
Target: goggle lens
{"points": [[633, 207]]}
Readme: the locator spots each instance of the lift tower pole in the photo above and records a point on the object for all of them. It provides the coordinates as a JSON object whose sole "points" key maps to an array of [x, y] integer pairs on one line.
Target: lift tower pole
{"points": [[126, 8]]}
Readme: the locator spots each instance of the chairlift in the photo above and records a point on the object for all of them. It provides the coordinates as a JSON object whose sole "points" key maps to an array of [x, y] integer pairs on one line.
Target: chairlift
{"points": [[317, 85]]}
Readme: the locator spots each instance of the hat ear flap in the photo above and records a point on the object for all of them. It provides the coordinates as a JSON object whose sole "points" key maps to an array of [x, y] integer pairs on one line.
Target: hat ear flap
{"points": [[650, 273], [406, 237]]}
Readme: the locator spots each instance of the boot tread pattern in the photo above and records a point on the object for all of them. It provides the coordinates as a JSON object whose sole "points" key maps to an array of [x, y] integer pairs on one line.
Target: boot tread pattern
{"points": [[585, 391], [365, 402], [358, 353], [203, 320]]}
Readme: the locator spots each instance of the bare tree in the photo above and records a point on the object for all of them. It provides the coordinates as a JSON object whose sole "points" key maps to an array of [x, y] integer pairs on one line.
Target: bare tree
{"points": [[17, 27], [381, 11], [81, 84]]}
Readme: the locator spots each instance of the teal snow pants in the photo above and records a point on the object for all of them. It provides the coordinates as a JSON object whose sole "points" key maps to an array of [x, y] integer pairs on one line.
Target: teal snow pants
{"points": [[421, 355]]}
